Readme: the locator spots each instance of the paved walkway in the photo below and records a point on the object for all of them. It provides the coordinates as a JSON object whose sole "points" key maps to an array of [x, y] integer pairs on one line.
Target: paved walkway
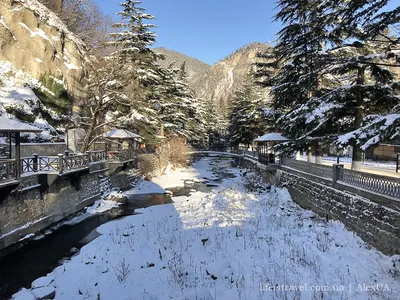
{"points": [[369, 167], [379, 168]]}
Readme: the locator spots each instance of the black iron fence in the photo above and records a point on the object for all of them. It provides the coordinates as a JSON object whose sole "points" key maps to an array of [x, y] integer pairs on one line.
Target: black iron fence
{"points": [[383, 185], [310, 168]]}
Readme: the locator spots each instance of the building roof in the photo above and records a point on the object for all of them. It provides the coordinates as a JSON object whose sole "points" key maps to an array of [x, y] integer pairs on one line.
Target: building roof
{"points": [[9, 125], [121, 134], [271, 137]]}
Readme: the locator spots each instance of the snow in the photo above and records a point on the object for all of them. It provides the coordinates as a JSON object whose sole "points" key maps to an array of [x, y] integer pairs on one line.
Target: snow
{"points": [[70, 66], [49, 18], [374, 132], [379, 164], [42, 282], [39, 32], [27, 237], [199, 171], [145, 187], [43, 292], [22, 227], [17, 96], [121, 134], [101, 206], [271, 137], [11, 76], [232, 243]]}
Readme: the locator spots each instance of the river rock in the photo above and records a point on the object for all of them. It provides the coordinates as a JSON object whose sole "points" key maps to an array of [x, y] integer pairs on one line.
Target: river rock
{"points": [[24, 294], [118, 197], [42, 281], [44, 293]]}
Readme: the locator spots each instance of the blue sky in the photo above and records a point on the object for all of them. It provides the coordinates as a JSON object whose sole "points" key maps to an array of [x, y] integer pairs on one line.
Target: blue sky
{"points": [[208, 30]]}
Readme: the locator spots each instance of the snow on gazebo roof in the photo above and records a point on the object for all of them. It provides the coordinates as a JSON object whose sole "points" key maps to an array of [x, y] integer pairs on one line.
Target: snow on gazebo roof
{"points": [[271, 137], [9, 125], [121, 134]]}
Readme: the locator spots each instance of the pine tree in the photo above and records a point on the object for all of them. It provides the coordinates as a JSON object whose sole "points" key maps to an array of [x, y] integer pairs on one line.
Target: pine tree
{"points": [[131, 43], [329, 74], [178, 106], [247, 116], [133, 38]]}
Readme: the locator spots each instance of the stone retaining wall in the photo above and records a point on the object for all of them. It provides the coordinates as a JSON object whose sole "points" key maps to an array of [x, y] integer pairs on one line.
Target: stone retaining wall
{"points": [[33, 207]]}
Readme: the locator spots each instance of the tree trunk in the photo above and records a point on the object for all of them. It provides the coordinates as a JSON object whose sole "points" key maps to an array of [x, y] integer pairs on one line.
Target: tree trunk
{"points": [[318, 153], [359, 116], [89, 133], [309, 154]]}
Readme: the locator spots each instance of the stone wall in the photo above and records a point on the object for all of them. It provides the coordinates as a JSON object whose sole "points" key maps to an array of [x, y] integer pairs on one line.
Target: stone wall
{"points": [[43, 149], [30, 208], [41, 200]]}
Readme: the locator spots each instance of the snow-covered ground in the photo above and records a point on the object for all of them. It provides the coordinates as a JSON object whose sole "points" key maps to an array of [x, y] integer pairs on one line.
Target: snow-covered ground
{"points": [[233, 243]]}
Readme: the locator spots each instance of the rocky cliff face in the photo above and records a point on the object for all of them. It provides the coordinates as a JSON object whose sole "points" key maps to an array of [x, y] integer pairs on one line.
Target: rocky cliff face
{"points": [[42, 66], [35, 41], [219, 81], [197, 70]]}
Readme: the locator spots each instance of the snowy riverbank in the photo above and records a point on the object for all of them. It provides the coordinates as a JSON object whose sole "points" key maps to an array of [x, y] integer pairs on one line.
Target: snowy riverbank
{"points": [[231, 243]]}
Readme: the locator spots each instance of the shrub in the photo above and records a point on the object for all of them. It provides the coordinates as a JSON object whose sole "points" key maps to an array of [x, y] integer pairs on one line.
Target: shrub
{"points": [[179, 152]]}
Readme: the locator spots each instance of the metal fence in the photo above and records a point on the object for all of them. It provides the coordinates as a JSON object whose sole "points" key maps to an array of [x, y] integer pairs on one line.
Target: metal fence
{"points": [[310, 168], [385, 185]]}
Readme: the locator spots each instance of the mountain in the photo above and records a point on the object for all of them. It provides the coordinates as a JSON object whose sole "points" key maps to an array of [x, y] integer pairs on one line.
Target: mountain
{"points": [[197, 70], [217, 82]]}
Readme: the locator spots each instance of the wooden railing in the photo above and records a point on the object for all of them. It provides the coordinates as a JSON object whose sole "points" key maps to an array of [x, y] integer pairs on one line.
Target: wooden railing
{"points": [[123, 156], [74, 162], [7, 169], [96, 156], [385, 185], [310, 168], [38, 163]]}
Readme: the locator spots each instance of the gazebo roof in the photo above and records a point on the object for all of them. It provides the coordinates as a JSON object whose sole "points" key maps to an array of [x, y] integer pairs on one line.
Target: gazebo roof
{"points": [[9, 125], [121, 134], [271, 137]]}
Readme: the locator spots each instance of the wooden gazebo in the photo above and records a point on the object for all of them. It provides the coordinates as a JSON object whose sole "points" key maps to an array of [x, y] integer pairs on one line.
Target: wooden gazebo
{"points": [[265, 146], [11, 168], [116, 137]]}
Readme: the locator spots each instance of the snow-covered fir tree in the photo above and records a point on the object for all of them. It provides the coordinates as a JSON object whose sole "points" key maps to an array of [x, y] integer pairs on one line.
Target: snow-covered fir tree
{"points": [[247, 115], [178, 105], [131, 44], [329, 77]]}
